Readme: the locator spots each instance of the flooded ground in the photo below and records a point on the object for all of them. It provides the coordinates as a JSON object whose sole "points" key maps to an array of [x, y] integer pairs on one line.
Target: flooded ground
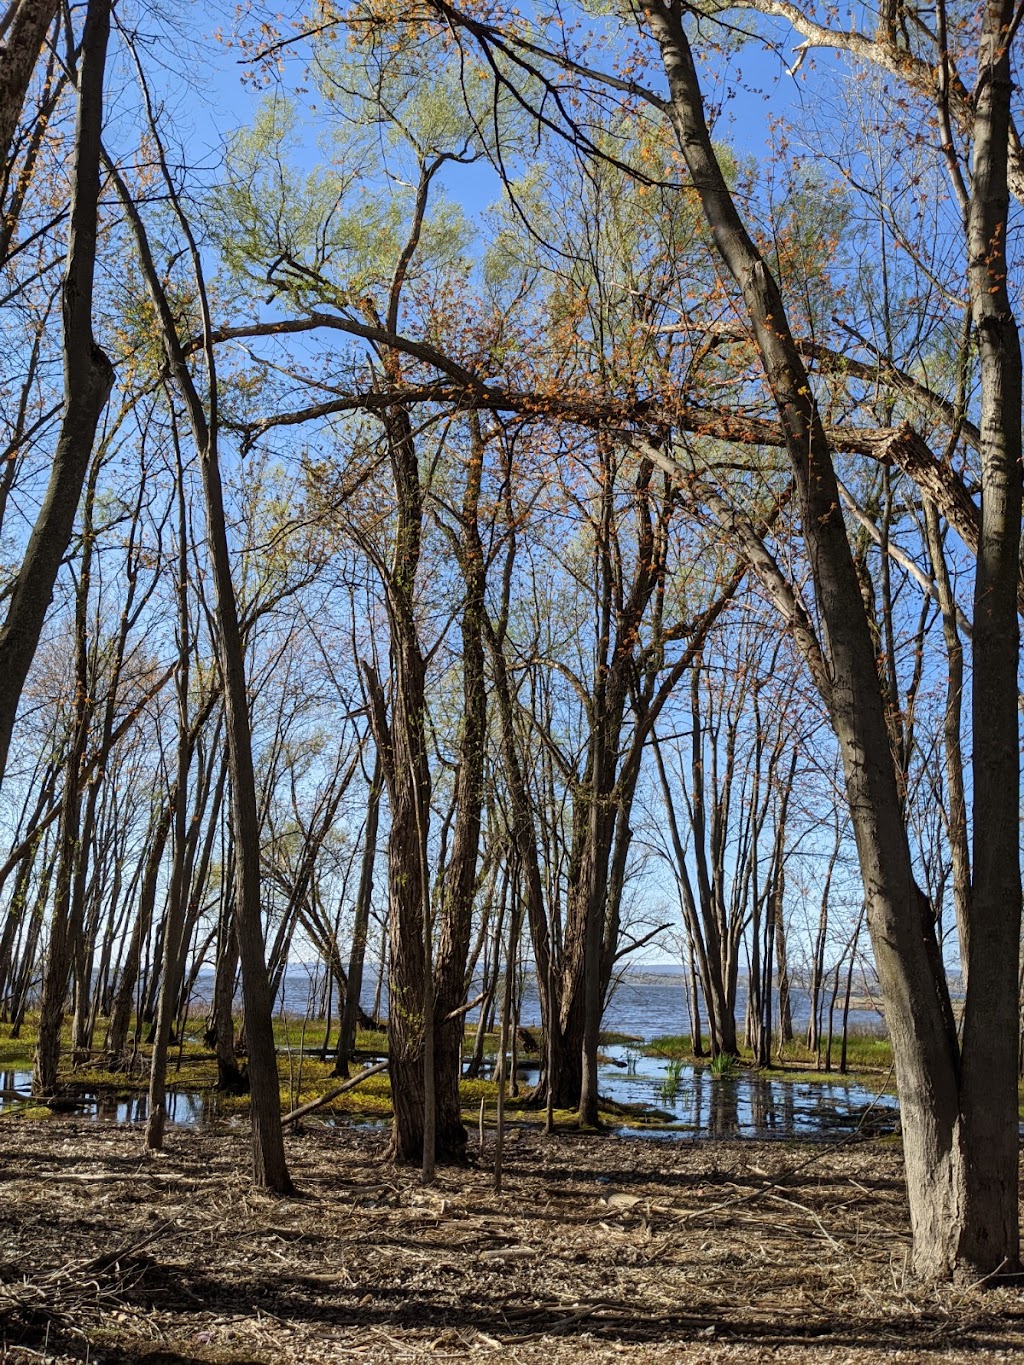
{"points": [[746, 1104], [695, 1103], [191, 1108]]}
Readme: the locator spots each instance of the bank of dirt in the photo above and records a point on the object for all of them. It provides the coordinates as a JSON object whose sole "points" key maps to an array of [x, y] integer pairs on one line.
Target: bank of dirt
{"points": [[598, 1249]]}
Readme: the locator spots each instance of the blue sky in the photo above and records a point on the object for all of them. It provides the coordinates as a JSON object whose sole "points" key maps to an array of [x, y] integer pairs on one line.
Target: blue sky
{"points": [[205, 95]]}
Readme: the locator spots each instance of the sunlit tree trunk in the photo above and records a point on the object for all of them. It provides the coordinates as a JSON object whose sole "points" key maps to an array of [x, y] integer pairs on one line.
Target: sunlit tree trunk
{"points": [[954, 1105], [360, 927], [401, 742], [66, 925], [88, 375], [458, 892], [22, 45], [269, 1165], [174, 918]]}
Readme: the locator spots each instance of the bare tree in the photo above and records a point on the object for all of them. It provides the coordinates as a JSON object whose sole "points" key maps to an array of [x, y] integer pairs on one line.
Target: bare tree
{"points": [[88, 374], [269, 1165], [964, 1216]]}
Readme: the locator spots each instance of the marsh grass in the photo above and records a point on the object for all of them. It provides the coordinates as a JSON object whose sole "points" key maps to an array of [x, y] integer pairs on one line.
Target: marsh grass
{"points": [[669, 1087], [866, 1053], [194, 1069], [16, 1053]]}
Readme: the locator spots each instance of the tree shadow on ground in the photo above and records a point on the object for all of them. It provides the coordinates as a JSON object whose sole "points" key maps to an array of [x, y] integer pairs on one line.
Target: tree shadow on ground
{"points": [[301, 1301]]}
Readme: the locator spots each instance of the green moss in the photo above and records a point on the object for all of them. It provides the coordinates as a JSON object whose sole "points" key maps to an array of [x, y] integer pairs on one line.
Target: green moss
{"points": [[868, 1080], [15, 1112], [674, 1046], [16, 1053], [373, 1041], [477, 1090]]}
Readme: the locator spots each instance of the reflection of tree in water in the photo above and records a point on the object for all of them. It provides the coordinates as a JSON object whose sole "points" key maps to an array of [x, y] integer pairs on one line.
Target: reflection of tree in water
{"points": [[184, 1106], [762, 1105], [698, 1081], [789, 1108], [751, 1104], [725, 1108]]}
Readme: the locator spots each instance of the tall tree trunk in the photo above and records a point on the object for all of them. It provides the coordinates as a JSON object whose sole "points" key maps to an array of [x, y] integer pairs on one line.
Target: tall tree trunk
{"points": [[270, 1169], [269, 1166], [956, 799], [15, 915], [22, 986], [459, 889], [963, 1211], [177, 894], [62, 930], [985, 1234], [360, 927], [402, 744], [526, 844], [222, 1022], [19, 54], [594, 890], [818, 963], [84, 1019], [24, 864], [66, 919], [124, 995], [88, 374], [402, 747]]}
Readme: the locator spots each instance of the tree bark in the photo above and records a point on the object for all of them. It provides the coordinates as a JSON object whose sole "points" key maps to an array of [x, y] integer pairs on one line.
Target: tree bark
{"points": [[963, 1210], [174, 919], [459, 889], [270, 1168], [364, 895], [985, 1236], [19, 53], [66, 925], [88, 375]]}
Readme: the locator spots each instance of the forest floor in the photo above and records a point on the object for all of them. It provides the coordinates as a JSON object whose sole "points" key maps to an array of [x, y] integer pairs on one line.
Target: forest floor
{"points": [[599, 1248]]}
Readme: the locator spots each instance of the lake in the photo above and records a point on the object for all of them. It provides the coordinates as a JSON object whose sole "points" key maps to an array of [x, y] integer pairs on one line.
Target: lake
{"points": [[646, 1003]]}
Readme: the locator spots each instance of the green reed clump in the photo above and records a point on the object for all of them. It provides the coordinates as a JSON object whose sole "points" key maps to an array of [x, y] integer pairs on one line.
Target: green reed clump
{"points": [[673, 1079]]}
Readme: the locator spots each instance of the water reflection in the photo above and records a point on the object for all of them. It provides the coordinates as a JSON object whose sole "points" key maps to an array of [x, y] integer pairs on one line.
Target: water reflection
{"points": [[747, 1104], [14, 1086], [723, 1108], [187, 1107], [193, 1108]]}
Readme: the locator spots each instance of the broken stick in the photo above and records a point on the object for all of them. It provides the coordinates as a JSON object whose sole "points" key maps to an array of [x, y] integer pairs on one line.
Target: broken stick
{"points": [[321, 1100]]}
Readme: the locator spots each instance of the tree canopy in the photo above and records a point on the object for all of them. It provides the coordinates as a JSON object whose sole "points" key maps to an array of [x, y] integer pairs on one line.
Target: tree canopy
{"points": [[568, 456]]}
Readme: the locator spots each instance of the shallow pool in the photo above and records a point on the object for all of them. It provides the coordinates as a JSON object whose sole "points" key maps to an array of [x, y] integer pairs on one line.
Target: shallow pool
{"points": [[747, 1104], [183, 1106], [744, 1104]]}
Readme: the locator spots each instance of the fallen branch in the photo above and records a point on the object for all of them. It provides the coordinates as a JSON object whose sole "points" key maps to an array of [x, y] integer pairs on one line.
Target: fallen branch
{"points": [[321, 1100]]}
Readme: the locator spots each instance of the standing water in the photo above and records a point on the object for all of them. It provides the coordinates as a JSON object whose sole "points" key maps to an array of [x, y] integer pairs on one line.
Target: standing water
{"points": [[747, 1104]]}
